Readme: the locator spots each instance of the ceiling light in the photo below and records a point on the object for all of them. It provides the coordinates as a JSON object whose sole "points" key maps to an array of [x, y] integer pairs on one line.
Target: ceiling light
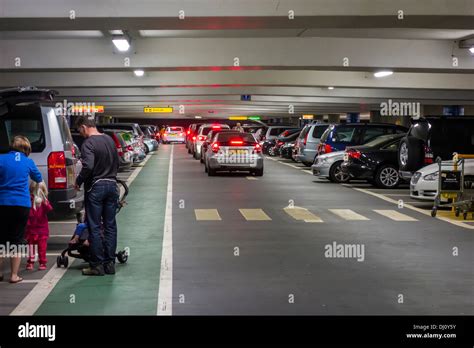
{"points": [[330, 87], [383, 73], [121, 43], [197, 117], [139, 73], [471, 50]]}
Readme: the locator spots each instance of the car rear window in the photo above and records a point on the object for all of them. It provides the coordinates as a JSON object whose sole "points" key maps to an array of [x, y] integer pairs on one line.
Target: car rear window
{"points": [[304, 132], [23, 120], [278, 130], [175, 129], [227, 136], [318, 131], [344, 134]]}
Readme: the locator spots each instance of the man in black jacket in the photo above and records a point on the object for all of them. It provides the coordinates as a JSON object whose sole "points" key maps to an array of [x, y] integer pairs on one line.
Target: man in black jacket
{"points": [[100, 163]]}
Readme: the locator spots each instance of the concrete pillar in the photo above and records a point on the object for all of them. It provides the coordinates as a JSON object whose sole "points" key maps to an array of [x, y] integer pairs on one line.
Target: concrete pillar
{"points": [[334, 118], [375, 116]]}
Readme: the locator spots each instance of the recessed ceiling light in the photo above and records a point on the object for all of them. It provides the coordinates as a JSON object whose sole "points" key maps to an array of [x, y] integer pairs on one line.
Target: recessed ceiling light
{"points": [[197, 117], [383, 73], [121, 43], [330, 87], [116, 32], [471, 50], [139, 73]]}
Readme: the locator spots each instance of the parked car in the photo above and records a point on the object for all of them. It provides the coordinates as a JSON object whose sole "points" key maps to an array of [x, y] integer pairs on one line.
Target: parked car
{"points": [[424, 183], [29, 112], [234, 151], [287, 150], [191, 135], [375, 161], [151, 144], [201, 136], [432, 137], [134, 128], [272, 132], [306, 147], [209, 138], [124, 151], [174, 135], [329, 166], [286, 137], [337, 137]]}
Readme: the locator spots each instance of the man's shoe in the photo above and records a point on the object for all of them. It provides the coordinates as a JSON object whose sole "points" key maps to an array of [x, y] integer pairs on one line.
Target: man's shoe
{"points": [[109, 268], [93, 271]]}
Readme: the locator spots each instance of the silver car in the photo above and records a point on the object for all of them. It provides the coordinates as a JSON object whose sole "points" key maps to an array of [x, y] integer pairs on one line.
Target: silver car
{"points": [[329, 166], [234, 151], [201, 136], [307, 143]]}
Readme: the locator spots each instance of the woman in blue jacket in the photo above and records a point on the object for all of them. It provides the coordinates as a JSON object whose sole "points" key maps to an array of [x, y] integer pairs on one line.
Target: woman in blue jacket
{"points": [[15, 171]]}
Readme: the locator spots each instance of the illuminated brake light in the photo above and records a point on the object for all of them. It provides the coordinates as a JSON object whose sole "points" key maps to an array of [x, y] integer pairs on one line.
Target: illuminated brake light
{"points": [[429, 158], [257, 148], [353, 153], [189, 132], [236, 142], [202, 137], [194, 137], [327, 148], [181, 134], [215, 147], [216, 127], [57, 176]]}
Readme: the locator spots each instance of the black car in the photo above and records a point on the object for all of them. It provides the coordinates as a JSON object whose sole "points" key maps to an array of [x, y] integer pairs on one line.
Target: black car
{"points": [[431, 137], [287, 150], [285, 137], [375, 161]]}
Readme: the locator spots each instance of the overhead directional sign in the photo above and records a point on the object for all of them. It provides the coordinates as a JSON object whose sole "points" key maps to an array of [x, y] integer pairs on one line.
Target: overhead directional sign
{"points": [[254, 118], [308, 117], [238, 118], [87, 109], [158, 110]]}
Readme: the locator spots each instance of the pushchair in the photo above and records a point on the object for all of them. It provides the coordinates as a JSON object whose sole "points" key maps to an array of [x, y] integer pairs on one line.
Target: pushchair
{"points": [[80, 249]]}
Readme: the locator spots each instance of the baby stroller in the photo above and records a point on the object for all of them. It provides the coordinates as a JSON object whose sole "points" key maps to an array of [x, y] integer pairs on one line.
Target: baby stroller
{"points": [[80, 248]]}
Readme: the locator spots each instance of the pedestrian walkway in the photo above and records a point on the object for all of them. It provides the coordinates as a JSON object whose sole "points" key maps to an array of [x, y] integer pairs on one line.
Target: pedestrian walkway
{"points": [[134, 288]]}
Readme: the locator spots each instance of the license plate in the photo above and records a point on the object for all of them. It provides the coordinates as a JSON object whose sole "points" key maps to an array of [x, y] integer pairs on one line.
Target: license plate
{"points": [[171, 135], [346, 157], [449, 195], [238, 152]]}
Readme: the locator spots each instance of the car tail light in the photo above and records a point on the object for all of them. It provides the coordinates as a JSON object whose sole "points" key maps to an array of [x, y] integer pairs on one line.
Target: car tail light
{"points": [[215, 147], [324, 148], [305, 138], [428, 155], [57, 176], [130, 148], [285, 133], [216, 127], [353, 153], [257, 148], [189, 132], [280, 143], [181, 134], [194, 137], [236, 142], [117, 145], [202, 137]]}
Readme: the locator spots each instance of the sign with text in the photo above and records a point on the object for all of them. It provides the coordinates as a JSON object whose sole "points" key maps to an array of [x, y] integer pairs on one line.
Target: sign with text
{"points": [[157, 110]]}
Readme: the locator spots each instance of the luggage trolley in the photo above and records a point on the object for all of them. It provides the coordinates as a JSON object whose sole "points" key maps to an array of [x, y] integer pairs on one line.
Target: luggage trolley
{"points": [[452, 185]]}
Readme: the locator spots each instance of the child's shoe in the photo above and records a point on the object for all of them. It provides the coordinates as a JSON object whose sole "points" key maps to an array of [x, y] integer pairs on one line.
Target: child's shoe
{"points": [[29, 266], [42, 267]]}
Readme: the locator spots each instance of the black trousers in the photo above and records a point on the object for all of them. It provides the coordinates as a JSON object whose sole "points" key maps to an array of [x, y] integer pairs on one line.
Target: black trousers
{"points": [[13, 220]]}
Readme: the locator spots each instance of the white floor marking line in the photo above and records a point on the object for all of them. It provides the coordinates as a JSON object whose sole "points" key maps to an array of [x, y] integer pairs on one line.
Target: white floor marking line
{"points": [[30, 304], [165, 291], [251, 178], [348, 214], [408, 206], [62, 235], [395, 215], [63, 222], [307, 171]]}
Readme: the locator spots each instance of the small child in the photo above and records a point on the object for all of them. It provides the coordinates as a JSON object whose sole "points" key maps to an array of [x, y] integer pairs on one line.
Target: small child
{"points": [[37, 229]]}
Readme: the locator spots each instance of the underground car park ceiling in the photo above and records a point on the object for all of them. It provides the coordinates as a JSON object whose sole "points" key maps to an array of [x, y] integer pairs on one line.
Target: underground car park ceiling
{"points": [[277, 158]]}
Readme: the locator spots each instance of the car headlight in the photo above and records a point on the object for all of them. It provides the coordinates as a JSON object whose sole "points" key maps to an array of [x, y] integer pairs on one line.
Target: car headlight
{"points": [[431, 177]]}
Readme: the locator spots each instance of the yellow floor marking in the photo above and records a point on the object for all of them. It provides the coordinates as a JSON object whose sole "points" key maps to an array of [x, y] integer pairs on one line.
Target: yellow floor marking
{"points": [[395, 215], [348, 214], [303, 214], [254, 215], [207, 215]]}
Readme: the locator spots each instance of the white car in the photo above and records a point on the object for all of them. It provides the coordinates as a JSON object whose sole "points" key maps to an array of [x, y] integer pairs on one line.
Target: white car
{"points": [[424, 183], [201, 136], [174, 135]]}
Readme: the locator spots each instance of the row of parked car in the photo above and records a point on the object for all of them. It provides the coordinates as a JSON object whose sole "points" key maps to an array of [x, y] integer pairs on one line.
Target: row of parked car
{"points": [[221, 148], [383, 154], [56, 148]]}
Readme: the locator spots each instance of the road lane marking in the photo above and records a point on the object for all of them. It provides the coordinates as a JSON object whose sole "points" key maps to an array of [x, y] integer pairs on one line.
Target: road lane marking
{"points": [[395, 215], [419, 210], [31, 302], [207, 215], [251, 178], [302, 214], [348, 214], [61, 235], [307, 171], [164, 304], [254, 215]]}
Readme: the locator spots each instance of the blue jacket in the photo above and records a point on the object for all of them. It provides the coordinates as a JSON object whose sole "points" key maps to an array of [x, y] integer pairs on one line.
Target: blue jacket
{"points": [[15, 170]]}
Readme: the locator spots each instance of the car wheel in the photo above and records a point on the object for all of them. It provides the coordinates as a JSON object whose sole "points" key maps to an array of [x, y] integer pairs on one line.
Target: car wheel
{"points": [[387, 177], [410, 154], [211, 172], [258, 172], [337, 175], [195, 155]]}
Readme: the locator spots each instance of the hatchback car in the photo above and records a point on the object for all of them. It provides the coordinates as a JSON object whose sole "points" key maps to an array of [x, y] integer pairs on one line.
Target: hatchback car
{"points": [[307, 143], [30, 112], [201, 136], [234, 151], [191, 136], [174, 135], [329, 166]]}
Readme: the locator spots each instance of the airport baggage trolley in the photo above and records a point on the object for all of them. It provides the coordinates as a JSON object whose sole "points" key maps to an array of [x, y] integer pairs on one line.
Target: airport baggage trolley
{"points": [[452, 185]]}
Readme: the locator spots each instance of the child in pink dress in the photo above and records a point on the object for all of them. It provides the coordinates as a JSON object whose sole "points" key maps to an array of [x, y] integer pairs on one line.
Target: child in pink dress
{"points": [[37, 229]]}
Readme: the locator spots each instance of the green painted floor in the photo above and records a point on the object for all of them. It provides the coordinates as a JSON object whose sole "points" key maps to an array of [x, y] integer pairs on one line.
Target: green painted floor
{"points": [[133, 290]]}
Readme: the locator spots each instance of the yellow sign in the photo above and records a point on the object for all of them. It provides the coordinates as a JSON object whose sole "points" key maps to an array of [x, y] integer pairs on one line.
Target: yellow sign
{"points": [[308, 117], [238, 118], [149, 110], [86, 109]]}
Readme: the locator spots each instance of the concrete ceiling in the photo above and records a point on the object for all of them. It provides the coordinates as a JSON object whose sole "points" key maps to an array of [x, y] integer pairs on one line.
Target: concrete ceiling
{"points": [[283, 62]]}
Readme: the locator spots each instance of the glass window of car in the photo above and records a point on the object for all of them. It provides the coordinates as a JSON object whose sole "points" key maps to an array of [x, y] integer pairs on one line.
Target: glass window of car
{"points": [[304, 132], [392, 146], [175, 129], [65, 133], [227, 136], [345, 134], [318, 131], [372, 133], [26, 121]]}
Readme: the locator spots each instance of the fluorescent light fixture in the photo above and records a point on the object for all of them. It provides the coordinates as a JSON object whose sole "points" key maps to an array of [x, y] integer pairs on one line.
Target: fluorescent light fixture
{"points": [[383, 73], [139, 73], [330, 87], [471, 50], [116, 32], [197, 117], [121, 43]]}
